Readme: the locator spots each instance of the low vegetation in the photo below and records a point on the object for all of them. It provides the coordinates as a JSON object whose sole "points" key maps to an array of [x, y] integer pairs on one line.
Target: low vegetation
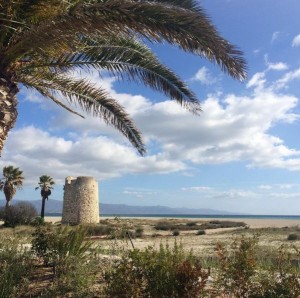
{"points": [[192, 225], [50, 260], [165, 272], [293, 237], [22, 213]]}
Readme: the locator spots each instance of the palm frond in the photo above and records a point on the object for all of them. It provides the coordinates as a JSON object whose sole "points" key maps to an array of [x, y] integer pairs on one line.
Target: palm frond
{"points": [[47, 94], [45, 182], [125, 58], [186, 4], [92, 100], [13, 177], [188, 28], [191, 29]]}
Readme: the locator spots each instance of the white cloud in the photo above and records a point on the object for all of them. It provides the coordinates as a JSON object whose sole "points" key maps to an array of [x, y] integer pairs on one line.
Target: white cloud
{"points": [[287, 186], [231, 128], [258, 80], [278, 66], [38, 152], [296, 41], [222, 133], [275, 36], [139, 193], [265, 186], [287, 78], [30, 95], [203, 75], [196, 188], [274, 66]]}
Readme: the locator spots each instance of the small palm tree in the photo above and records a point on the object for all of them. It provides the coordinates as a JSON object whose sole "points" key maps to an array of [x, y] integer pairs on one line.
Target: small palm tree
{"points": [[12, 179], [42, 42], [45, 184]]}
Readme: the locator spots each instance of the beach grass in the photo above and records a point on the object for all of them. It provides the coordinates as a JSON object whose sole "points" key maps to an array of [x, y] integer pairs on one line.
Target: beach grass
{"points": [[260, 248]]}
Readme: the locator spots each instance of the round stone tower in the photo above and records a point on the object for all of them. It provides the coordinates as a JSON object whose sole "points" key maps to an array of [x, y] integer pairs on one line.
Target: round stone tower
{"points": [[81, 202]]}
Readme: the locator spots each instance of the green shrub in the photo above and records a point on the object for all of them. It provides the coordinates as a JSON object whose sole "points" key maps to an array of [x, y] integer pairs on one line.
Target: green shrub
{"points": [[38, 221], [240, 275], [213, 224], [22, 213], [67, 252], [166, 272], [78, 282], [154, 235], [57, 247], [237, 266], [201, 232], [169, 226], [293, 237], [176, 233], [191, 223], [217, 224], [164, 226], [99, 230], [15, 268], [42, 243], [190, 279], [139, 232]]}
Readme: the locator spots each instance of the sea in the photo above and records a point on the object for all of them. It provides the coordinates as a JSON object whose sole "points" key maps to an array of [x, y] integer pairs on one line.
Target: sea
{"points": [[218, 216]]}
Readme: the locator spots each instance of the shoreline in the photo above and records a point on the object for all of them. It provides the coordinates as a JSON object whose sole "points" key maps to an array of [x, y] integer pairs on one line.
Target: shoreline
{"points": [[254, 223]]}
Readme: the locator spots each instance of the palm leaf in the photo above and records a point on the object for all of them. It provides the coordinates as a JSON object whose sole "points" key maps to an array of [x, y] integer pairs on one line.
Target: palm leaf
{"points": [[125, 58], [47, 94], [190, 29], [92, 100]]}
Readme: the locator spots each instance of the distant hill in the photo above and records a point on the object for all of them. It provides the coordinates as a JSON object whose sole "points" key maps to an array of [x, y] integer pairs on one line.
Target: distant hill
{"points": [[55, 206]]}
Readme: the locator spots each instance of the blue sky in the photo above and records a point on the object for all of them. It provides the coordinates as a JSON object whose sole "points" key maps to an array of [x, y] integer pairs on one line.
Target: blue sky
{"points": [[241, 155]]}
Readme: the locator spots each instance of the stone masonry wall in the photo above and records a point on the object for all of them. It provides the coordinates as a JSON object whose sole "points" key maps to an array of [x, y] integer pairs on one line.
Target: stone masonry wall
{"points": [[81, 203]]}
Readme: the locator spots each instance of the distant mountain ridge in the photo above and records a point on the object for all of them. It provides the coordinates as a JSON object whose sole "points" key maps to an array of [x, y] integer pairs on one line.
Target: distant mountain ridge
{"points": [[55, 206]]}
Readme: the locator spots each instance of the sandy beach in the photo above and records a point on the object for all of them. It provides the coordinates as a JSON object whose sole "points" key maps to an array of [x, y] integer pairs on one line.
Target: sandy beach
{"points": [[251, 222]]}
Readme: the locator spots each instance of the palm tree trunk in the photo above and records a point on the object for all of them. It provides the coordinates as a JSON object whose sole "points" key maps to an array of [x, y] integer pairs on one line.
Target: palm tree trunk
{"points": [[43, 207], [8, 108]]}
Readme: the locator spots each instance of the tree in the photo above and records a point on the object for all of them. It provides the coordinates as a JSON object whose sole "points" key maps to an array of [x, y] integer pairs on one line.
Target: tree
{"points": [[43, 41], [21, 213], [45, 184], [12, 179]]}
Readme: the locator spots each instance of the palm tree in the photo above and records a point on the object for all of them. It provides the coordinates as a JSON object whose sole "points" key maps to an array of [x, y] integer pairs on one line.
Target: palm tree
{"points": [[12, 179], [45, 184], [42, 42]]}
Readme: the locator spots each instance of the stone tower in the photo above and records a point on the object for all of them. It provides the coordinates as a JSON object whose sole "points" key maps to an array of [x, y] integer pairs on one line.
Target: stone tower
{"points": [[81, 203]]}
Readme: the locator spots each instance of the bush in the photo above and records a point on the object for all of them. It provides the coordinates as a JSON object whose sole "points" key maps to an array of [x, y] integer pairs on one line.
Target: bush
{"points": [[154, 235], [190, 226], [293, 237], [139, 232], [164, 226], [240, 275], [166, 272], [237, 267], [66, 251], [191, 223], [39, 221], [22, 213], [216, 224], [201, 232], [57, 247], [169, 226], [15, 268], [99, 230], [176, 233]]}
